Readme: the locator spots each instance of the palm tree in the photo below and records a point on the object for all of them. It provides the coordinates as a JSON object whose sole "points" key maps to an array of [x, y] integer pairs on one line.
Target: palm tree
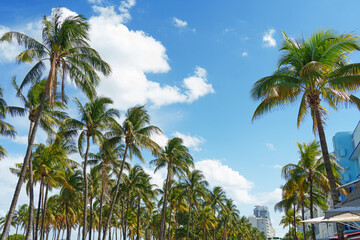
{"points": [[107, 159], [136, 132], [314, 69], [94, 117], [309, 174], [193, 187], [288, 219], [65, 46], [69, 196], [177, 159], [51, 117], [228, 214], [217, 199]]}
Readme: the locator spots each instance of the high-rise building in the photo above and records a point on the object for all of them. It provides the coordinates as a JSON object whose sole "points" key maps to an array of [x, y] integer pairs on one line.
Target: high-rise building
{"points": [[261, 212], [261, 220]]}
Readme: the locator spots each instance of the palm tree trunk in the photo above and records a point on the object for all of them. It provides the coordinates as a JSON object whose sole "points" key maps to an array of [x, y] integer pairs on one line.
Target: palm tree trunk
{"points": [[294, 224], [24, 166], [101, 200], [85, 185], [44, 214], [303, 217], [126, 215], [39, 209], [138, 221], [214, 229], [169, 231], [91, 215], [188, 222], [312, 208], [31, 193], [329, 172], [163, 212], [116, 191], [68, 228]]}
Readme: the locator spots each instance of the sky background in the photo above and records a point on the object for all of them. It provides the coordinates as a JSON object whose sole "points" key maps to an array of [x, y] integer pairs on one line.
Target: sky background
{"points": [[193, 64]]}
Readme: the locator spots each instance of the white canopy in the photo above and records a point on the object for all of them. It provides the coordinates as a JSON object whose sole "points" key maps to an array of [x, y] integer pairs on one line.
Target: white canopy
{"points": [[348, 219]]}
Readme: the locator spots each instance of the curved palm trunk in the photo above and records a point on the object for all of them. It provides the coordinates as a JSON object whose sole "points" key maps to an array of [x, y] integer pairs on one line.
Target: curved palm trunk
{"points": [[330, 174], [26, 160], [31, 193], [303, 217], [312, 208], [116, 191], [42, 231], [188, 223], [163, 212], [85, 186]]}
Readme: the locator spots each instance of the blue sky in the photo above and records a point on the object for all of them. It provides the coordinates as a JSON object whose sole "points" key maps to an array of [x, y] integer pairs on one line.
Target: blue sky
{"points": [[193, 63]]}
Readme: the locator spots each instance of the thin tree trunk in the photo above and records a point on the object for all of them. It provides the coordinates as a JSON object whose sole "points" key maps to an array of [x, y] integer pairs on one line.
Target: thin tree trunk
{"points": [[126, 216], [91, 220], [329, 172], [116, 192], [169, 231], [188, 223], [68, 228], [163, 213], [138, 221], [214, 229], [24, 166], [44, 214], [39, 209], [303, 217], [85, 186], [295, 235], [31, 193], [101, 201]]}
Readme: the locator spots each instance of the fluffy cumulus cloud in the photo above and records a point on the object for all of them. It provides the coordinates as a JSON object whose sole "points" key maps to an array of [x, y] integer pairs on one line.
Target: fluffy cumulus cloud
{"points": [[179, 23], [268, 38], [189, 141], [132, 54]]}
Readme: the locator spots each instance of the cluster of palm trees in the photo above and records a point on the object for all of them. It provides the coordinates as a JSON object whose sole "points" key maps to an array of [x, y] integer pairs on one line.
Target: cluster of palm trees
{"points": [[306, 186], [103, 196], [316, 72]]}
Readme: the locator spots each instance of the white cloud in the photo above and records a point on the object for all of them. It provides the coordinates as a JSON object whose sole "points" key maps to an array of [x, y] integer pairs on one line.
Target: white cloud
{"points": [[270, 146], [179, 23], [95, 1], [268, 38], [8, 51], [21, 139], [244, 54], [132, 54], [278, 166], [234, 184], [124, 9], [190, 141], [158, 177]]}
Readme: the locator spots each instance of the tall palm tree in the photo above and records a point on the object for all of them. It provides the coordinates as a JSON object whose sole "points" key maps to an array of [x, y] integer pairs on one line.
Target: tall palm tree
{"points": [[65, 46], [217, 199], [50, 118], [313, 70], [94, 188], [177, 159], [193, 187], [309, 174], [136, 132], [288, 219], [94, 118], [108, 159]]}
